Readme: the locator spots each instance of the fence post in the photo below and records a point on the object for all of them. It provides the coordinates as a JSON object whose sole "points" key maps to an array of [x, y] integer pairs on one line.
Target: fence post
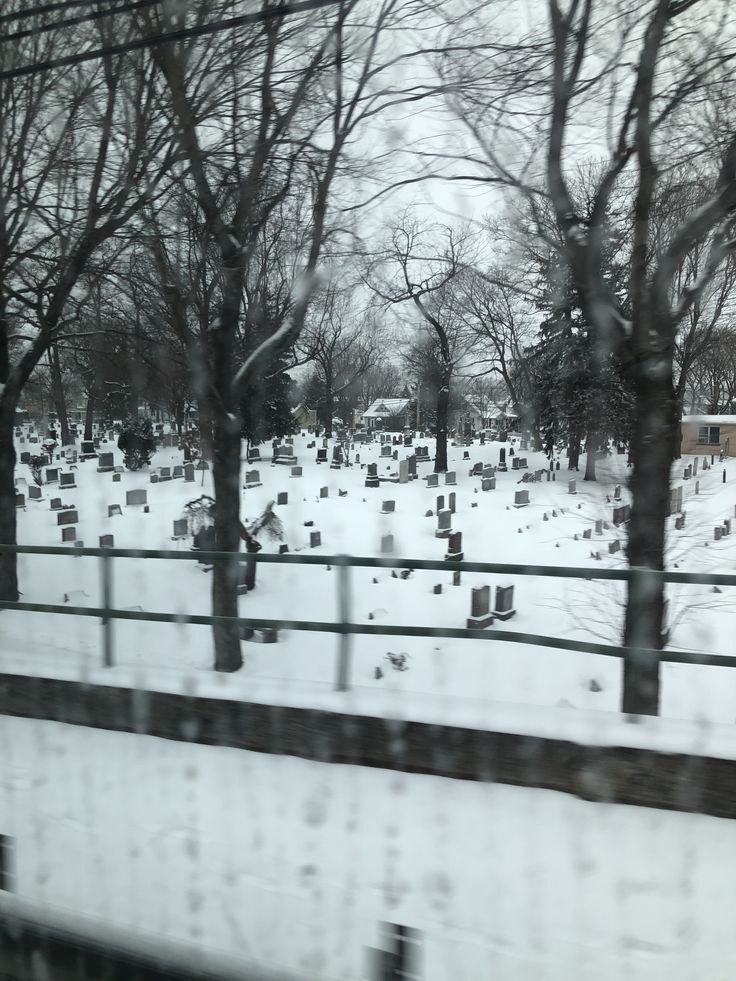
{"points": [[343, 611], [107, 624]]}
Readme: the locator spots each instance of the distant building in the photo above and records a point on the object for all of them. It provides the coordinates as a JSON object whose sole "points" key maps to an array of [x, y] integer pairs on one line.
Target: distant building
{"points": [[708, 435], [472, 417], [390, 414]]}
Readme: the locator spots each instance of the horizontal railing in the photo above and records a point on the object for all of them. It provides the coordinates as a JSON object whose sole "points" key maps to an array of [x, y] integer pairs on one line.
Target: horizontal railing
{"points": [[344, 626]]}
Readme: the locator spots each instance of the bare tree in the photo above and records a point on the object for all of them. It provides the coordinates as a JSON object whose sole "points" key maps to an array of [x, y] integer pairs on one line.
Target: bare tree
{"points": [[423, 267], [661, 96]]}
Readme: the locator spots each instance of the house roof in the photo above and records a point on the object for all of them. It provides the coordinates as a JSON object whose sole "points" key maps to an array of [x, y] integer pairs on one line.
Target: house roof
{"points": [[725, 420], [382, 408]]}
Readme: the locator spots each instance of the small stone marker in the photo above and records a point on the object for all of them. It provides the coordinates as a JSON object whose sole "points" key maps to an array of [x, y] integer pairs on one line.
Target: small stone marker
{"points": [[454, 547], [521, 498], [324, 492], [136, 497], [154, 478], [679, 522], [387, 544], [282, 498], [617, 492], [315, 539], [116, 478], [480, 602], [504, 606], [68, 516], [181, 529], [107, 541], [456, 576], [437, 589], [697, 487], [444, 524], [20, 500], [571, 486]]}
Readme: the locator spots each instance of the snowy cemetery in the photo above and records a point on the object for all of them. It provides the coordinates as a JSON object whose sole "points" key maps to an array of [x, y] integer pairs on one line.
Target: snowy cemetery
{"points": [[370, 495]]}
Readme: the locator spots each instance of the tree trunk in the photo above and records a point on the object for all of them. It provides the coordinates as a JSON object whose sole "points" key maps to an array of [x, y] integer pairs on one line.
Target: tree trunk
{"points": [[329, 407], [443, 405], [89, 415], [592, 442], [226, 479], [8, 561], [655, 420], [206, 435], [57, 387], [573, 452]]}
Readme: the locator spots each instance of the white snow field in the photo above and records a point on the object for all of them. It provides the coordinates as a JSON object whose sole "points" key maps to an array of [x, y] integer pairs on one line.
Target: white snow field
{"points": [[454, 677], [292, 863]]}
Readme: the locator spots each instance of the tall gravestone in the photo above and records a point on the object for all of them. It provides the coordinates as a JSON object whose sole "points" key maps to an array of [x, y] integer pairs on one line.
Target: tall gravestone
{"points": [[480, 604]]}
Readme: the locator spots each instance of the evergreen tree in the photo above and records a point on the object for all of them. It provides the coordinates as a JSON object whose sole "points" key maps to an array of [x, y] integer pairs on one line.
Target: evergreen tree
{"points": [[137, 441]]}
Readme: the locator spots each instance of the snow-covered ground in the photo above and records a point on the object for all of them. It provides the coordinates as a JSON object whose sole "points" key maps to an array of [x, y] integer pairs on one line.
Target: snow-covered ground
{"points": [[303, 665], [294, 863]]}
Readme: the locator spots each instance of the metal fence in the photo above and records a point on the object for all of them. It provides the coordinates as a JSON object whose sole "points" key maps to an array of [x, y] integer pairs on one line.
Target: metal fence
{"points": [[344, 626]]}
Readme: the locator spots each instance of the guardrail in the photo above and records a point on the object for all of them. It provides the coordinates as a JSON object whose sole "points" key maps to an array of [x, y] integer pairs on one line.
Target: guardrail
{"points": [[344, 627]]}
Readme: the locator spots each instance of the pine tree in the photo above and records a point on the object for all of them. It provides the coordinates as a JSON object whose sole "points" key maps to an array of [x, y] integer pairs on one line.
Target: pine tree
{"points": [[137, 441]]}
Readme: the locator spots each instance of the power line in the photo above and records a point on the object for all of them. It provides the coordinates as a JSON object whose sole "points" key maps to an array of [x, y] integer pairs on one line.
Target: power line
{"points": [[46, 8], [81, 19], [201, 30]]}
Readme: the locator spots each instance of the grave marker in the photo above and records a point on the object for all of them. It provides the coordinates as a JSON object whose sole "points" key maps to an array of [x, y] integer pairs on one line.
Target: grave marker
{"points": [[488, 484], [454, 547], [252, 479], [387, 544], [105, 463], [324, 492], [371, 479], [282, 498], [52, 475], [66, 480], [107, 541], [315, 539], [571, 486], [136, 497], [388, 507], [504, 605], [450, 478], [433, 480], [55, 503], [480, 602], [296, 471], [68, 534], [521, 499], [188, 472], [444, 524], [34, 493], [68, 516]]}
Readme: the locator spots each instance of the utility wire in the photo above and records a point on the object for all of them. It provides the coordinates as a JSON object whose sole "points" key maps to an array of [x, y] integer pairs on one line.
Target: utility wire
{"points": [[201, 30], [46, 8], [81, 19]]}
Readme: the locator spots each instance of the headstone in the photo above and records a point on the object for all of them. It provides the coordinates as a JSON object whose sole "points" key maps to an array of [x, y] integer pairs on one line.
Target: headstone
{"points": [[136, 497], [412, 461], [444, 524], [52, 475], [107, 541], [617, 492], [371, 479], [571, 486], [433, 480], [177, 472], [25, 457], [488, 484], [450, 478], [188, 472], [515, 464], [253, 455], [679, 522], [337, 460], [440, 503], [296, 471], [20, 500], [88, 451], [521, 498], [385, 450], [502, 459], [454, 547], [68, 534], [181, 529], [55, 503], [388, 507], [403, 471], [587, 533], [599, 526], [451, 502], [480, 602], [68, 516], [116, 478], [697, 486], [727, 526], [387, 544], [282, 498], [717, 533], [315, 539], [105, 463], [619, 515], [252, 479], [154, 478], [324, 492], [504, 606], [614, 546], [67, 480], [695, 467], [322, 455], [34, 493]]}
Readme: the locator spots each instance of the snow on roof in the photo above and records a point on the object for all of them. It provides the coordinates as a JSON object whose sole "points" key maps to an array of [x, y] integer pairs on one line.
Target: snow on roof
{"points": [[725, 420], [386, 407]]}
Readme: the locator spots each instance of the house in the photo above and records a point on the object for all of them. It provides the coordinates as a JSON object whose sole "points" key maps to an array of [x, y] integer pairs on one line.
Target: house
{"points": [[708, 435], [304, 417], [472, 417], [390, 414]]}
